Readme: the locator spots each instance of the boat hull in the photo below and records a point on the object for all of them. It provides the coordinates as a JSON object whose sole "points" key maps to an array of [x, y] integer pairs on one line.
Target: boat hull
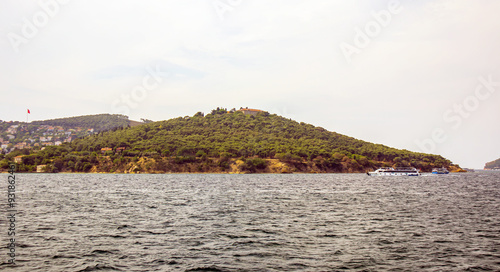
{"points": [[393, 174], [398, 172], [440, 171]]}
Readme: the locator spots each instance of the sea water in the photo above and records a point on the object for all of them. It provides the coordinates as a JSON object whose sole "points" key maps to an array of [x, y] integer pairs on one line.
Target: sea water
{"points": [[294, 222]]}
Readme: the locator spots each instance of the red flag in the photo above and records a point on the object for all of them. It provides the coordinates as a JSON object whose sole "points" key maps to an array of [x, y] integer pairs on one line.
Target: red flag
{"points": [[29, 111]]}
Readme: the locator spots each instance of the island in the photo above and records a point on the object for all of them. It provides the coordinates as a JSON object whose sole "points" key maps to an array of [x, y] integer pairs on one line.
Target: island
{"points": [[494, 165], [222, 141]]}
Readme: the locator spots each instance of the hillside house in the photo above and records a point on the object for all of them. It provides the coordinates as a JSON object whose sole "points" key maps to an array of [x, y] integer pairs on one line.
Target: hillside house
{"points": [[18, 159], [104, 149], [39, 168], [249, 111], [12, 129], [20, 145]]}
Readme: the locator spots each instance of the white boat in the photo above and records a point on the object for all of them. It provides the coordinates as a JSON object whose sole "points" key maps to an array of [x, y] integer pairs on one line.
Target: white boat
{"points": [[389, 171]]}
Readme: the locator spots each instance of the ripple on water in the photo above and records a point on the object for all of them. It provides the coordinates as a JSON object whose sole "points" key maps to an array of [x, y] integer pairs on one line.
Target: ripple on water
{"points": [[330, 222]]}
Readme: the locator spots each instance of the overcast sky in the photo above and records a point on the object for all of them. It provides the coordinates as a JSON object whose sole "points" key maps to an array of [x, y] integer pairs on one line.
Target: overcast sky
{"points": [[416, 75]]}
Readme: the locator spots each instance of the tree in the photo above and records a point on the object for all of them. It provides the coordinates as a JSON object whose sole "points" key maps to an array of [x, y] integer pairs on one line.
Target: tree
{"points": [[71, 166], [219, 110]]}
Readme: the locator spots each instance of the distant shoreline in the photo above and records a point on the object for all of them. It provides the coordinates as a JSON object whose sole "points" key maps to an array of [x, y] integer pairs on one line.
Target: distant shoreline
{"points": [[223, 173]]}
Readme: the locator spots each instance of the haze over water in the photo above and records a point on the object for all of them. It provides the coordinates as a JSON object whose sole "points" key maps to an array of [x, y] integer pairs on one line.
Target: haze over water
{"points": [[317, 222]]}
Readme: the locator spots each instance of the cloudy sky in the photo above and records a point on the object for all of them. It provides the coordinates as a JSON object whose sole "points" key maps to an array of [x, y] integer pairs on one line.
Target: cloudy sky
{"points": [[416, 75]]}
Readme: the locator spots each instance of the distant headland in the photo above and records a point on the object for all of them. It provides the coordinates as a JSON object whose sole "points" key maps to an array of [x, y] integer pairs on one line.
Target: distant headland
{"points": [[494, 165]]}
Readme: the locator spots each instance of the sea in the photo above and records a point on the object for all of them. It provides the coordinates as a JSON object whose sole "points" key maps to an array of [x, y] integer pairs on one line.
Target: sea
{"points": [[255, 222]]}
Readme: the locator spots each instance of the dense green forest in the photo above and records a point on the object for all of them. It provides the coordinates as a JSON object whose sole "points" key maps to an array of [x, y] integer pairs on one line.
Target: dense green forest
{"points": [[100, 122], [224, 142], [493, 165]]}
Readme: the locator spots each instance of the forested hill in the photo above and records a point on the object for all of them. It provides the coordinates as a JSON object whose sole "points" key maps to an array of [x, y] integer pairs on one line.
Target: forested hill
{"points": [[99, 122], [493, 165], [226, 142], [22, 137]]}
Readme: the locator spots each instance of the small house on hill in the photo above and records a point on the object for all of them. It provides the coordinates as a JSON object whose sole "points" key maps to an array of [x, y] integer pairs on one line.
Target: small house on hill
{"points": [[20, 145], [18, 159], [103, 150], [249, 111]]}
